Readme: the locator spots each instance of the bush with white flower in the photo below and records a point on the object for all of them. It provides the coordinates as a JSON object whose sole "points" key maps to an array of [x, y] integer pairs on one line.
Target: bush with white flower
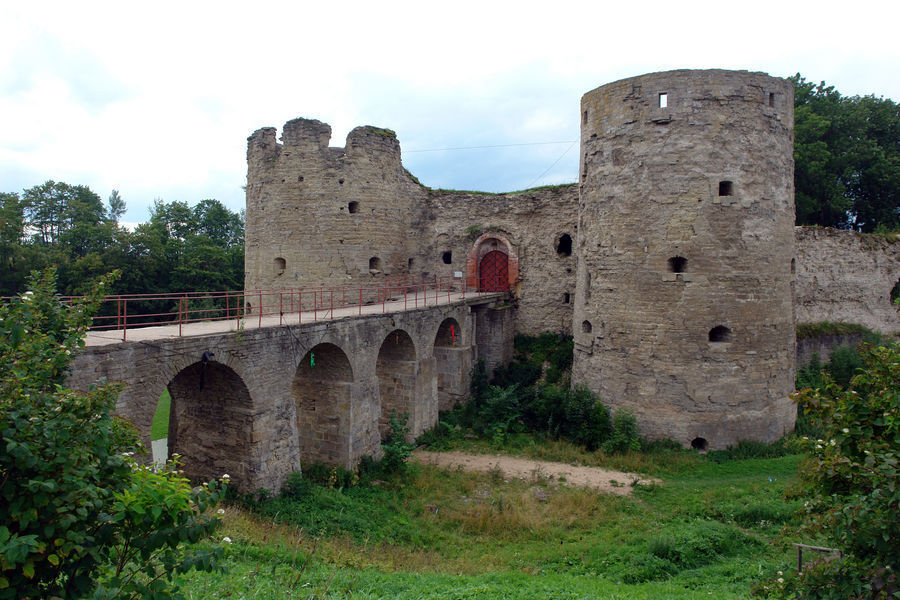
{"points": [[79, 517], [853, 482]]}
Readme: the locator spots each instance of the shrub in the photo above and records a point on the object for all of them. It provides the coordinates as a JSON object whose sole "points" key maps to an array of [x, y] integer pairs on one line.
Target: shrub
{"points": [[395, 447], [700, 543], [586, 420], [810, 375], [844, 364], [625, 435], [330, 476], [746, 449], [440, 437], [295, 486], [851, 478], [78, 517]]}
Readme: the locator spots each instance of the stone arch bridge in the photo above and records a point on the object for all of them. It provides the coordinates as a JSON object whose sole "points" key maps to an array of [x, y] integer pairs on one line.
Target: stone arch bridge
{"points": [[269, 398]]}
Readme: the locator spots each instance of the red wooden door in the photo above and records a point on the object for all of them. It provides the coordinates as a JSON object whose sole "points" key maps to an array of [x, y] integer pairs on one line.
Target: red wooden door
{"points": [[493, 272]]}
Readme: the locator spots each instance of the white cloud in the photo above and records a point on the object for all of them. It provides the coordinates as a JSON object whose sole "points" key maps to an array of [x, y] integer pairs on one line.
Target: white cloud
{"points": [[157, 100]]}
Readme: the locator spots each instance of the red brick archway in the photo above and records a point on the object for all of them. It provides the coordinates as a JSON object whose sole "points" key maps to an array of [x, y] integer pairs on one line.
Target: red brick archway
{"points": [[502, 253]]}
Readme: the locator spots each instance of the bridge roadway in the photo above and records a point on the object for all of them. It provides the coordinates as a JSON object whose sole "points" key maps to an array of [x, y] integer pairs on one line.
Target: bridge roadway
{"points": [[284, 390]]}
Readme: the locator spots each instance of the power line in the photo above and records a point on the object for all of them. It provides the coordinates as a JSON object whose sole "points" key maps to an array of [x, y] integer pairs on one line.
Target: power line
{"points": [[491, 146], [572, 145]]}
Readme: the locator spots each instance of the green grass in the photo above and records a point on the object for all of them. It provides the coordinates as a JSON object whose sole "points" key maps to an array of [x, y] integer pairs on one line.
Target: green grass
{"points": [[277, 578], [708, 530], [808, 330], [160, 427]]}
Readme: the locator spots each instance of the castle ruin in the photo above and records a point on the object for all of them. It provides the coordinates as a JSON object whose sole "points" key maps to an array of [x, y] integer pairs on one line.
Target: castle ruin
{"points": [[673, 261]]}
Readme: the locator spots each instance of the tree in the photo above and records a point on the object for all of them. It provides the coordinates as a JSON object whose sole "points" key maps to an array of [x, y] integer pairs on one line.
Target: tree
{"points": [[223, 227], [78, 517], [846, 158], [116, 206], [12, 230], [852, 477]]}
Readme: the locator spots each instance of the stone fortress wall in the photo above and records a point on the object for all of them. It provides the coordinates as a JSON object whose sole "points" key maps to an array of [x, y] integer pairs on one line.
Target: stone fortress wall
{"points": [[847, 276], [706, 179]]}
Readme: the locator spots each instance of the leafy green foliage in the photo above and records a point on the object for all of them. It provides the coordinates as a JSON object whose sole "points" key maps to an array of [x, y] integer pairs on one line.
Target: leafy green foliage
{"points": [[746, 449], [532, 394], [852, 476], [810, 374], [78, 516], [159, 429], [181, 248], [844, 362], [395, 447], [625, 435], [847, 160], [819, 328]]}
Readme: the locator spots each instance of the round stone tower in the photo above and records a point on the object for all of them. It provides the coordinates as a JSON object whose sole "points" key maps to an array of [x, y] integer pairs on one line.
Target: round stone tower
{"points": [[683, 305]]}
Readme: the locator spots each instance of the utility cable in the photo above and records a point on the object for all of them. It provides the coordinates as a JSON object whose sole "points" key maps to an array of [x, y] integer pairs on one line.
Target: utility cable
{"points": [[539, 177], [491, 146]]}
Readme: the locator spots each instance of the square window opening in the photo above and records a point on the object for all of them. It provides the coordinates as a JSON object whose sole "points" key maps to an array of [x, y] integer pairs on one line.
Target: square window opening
{"points": [[726, 188]]}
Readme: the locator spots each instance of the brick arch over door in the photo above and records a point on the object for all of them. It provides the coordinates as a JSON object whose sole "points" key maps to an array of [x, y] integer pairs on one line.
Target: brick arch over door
{"points": [[485, 245]]}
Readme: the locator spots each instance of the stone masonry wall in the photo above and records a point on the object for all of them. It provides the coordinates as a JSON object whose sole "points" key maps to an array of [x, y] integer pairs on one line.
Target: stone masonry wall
{"points": [[533, 221], [326, 216], [846, 276]]}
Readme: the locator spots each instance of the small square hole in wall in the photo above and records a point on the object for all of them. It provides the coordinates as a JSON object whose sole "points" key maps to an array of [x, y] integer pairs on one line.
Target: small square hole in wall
{"points": [[663, 100], [566, 297], [353, 207], [726, 188], [447, 258], [771, 99]]}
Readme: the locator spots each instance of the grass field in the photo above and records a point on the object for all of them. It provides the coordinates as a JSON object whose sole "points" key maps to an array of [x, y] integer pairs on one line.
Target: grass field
{"points": [[708, 530], [160, 427]]}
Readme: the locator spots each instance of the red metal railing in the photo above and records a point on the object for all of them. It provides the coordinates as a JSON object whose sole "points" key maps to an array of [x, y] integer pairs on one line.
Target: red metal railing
{"points": [[293, 305]]}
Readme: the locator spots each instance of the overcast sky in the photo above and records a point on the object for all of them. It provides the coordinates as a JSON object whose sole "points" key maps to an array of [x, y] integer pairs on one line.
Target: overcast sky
{"points": [[157, 99]]}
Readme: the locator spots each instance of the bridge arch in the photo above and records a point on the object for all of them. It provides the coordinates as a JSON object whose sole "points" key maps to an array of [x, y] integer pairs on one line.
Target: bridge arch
{"points": [[210, 421], [322, 389], [397, 373], [452, 363]]}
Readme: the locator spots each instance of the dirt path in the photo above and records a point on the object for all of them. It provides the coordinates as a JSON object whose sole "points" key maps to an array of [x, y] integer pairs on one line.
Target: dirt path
{"points": [[603, 480]]}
